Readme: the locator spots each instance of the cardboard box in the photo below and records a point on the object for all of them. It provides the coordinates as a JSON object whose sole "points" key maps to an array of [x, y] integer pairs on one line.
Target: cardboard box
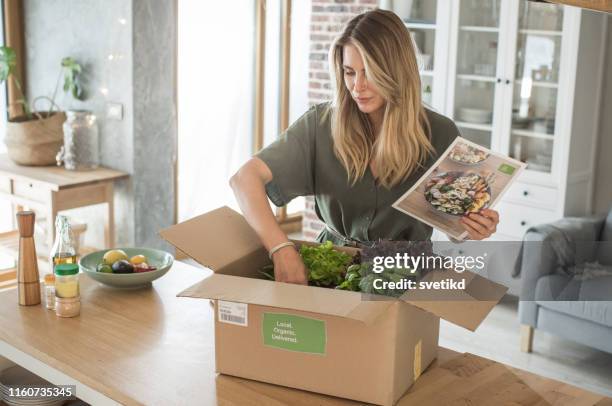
{"points": [[317, 339]]}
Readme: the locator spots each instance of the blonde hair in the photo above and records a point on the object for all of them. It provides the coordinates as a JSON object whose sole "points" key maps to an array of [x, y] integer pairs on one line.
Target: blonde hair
{"points": [[389, 58]]}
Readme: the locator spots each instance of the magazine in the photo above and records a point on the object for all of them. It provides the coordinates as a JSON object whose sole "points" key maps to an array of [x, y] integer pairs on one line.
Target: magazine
{"points": [[467, 178]]}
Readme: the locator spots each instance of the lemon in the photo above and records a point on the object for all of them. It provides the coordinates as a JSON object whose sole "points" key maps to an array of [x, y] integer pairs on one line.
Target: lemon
{"points": [[113, 256], [138, 259]]}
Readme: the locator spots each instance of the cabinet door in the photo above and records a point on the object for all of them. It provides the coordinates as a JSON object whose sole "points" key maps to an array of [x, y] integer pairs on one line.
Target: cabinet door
{"points": [[535, 88], [427, 21], [475, 64]]}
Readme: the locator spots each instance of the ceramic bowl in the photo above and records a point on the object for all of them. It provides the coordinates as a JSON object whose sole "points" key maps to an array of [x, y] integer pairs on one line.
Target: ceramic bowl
{"points": [[160, 259]]}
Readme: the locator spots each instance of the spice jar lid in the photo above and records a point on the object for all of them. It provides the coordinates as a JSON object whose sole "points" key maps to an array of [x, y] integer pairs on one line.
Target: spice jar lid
{"points": [[66, 269]]}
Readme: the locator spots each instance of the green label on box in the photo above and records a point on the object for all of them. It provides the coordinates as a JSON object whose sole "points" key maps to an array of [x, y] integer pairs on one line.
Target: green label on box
{"points": [[507, 169], [294, 333]]}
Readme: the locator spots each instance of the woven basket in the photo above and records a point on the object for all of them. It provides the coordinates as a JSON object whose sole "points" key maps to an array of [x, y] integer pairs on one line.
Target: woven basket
{"points": [[35, 142]]}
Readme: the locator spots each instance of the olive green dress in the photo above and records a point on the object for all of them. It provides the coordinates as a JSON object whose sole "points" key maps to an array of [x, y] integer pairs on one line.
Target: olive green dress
{"points": [[303, 163]]}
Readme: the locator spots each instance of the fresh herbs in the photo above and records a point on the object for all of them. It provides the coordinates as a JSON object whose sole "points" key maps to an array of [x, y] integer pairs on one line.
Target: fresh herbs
{"points": [[326, 266], [331, 268], [352, 278]]}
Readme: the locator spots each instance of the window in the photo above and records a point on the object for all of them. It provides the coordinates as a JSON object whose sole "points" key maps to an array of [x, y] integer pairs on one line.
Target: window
{"points": [[6, 223], [216, 93], [215, 100]]}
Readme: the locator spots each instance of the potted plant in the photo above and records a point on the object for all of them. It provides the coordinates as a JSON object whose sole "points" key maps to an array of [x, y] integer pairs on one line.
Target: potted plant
{"points": [[35, 137]]}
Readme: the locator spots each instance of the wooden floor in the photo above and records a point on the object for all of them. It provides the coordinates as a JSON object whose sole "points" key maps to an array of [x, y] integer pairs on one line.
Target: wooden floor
{"points": [[498, 339]]}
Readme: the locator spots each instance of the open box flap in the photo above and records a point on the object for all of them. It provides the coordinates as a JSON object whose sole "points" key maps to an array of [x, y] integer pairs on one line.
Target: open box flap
{"points": [[288, 296], [467, 307], [214, 239]]}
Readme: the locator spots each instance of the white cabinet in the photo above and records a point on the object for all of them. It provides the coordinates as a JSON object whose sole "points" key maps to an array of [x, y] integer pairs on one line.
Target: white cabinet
{"points": [[522, 78]]}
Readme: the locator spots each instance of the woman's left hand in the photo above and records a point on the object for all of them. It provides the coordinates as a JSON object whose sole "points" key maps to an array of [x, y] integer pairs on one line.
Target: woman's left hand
{"points": [[480, 225]]}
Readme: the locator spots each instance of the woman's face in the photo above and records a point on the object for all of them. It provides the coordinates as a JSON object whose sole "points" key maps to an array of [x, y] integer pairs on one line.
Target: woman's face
{"points": [[364, 93]]}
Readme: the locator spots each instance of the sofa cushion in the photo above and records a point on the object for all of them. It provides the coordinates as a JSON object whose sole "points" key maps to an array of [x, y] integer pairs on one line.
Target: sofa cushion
{"points": [[557, 287], [596, 289], [595, 311]]}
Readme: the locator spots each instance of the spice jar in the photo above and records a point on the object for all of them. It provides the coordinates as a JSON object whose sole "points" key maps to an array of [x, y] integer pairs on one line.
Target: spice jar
{"points": [[50, 291], [67, 297], [67, 307], [67, 280]]}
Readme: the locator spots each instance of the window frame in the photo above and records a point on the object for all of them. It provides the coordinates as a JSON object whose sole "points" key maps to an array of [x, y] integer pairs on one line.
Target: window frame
{"points": [[290, 223]]}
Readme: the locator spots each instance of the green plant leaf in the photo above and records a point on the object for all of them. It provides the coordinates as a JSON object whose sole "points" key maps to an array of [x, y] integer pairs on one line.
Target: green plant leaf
{"points": [[8, 62], [77, 91], [72, 70]]}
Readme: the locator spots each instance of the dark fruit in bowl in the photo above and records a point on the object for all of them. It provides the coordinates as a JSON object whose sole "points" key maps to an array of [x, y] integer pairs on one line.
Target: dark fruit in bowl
{"points": [[123, 266], [104, 268]]}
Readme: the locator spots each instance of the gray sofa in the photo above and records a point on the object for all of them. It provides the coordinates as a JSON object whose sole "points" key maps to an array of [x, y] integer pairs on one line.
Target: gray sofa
{"points": [[566, 281]]}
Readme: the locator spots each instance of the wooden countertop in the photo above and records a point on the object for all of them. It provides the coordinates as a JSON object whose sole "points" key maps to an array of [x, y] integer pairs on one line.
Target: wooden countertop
{"points": [[54, 177], [150, 347]]}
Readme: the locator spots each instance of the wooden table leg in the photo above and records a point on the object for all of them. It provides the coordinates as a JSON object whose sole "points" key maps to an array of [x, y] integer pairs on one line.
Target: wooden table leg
{"points": [[109, 229], [526, 338]]}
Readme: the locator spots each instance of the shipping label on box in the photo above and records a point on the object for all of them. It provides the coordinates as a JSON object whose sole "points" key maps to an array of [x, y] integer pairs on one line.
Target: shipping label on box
{"points": [[294, 333], [233, 313]]}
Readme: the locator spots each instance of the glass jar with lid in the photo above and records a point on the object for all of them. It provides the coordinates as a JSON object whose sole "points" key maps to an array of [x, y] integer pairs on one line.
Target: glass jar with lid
{"points": [[81, 148], [67, 293]]}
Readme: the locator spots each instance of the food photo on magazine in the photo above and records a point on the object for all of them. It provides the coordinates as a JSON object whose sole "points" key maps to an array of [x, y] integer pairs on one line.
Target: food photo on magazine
{"points": [[466, 179]]}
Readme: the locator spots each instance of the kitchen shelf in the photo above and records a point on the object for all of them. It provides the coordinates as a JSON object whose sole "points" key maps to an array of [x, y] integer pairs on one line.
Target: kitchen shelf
{"points": [[475, 28], [474, 126], [541, 32], [477, 78], [421, 26], [533, 134], [550, 85]]}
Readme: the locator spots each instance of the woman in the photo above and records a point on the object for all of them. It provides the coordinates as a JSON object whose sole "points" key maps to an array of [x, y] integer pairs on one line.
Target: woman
{"points": [[356, 155]]}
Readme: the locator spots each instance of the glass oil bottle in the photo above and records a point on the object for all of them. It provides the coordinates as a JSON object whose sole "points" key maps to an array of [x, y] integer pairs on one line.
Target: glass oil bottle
{"points": [[63, 251]]}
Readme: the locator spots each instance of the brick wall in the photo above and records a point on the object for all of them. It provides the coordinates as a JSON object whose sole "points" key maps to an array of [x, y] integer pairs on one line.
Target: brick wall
{"points": [[327, 20]]}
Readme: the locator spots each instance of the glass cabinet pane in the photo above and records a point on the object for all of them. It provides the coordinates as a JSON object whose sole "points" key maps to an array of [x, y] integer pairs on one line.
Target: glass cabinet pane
{"points": [[540, 16], [536, 152], [535, 87], [415, 11], [480, 13], [477, 53], [475, 82], [420, 19], [537, 57]]}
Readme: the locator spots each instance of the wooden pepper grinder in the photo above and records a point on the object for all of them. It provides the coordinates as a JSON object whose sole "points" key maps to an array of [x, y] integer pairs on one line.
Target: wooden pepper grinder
{"points": [[27, 269]]}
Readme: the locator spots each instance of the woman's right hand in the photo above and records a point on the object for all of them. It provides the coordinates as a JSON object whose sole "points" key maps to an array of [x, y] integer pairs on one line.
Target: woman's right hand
{"points": [[289, 267], [249, 187]]}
